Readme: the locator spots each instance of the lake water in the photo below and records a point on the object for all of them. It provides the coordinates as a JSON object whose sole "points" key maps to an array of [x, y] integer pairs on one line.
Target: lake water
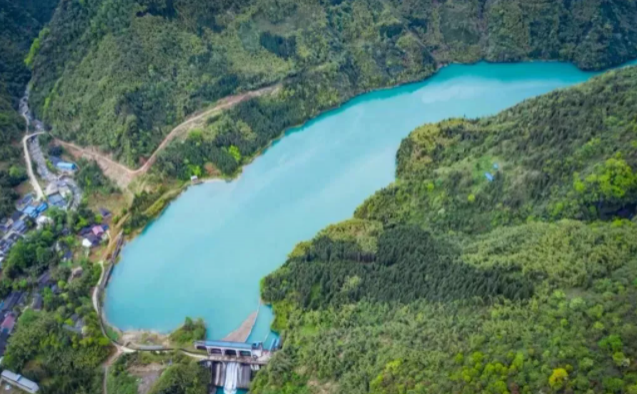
{"points": [[204, 257]]}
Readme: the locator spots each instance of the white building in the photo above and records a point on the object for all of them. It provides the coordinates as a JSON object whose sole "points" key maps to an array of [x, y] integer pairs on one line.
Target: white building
{"points": [[19, 381]]}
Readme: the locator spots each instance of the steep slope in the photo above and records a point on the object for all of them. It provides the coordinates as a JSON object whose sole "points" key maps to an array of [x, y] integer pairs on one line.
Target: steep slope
{"points": [[117, 74], [20, 23], [502, 260]]}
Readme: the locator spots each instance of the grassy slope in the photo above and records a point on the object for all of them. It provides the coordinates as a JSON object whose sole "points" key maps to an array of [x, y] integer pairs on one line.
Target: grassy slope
{"points": [[446, 282], [118, 73]]}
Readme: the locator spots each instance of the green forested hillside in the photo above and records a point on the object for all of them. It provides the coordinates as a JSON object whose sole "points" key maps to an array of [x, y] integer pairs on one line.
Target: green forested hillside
{"points": [[20, 22], [447, 281], [117, 73]]}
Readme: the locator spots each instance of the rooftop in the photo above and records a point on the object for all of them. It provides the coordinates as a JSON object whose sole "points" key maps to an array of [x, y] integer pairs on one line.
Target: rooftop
{"points": [[236, 345], [20, 380]]}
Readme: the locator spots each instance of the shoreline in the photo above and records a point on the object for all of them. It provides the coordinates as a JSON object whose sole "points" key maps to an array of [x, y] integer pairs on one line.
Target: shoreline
{"points": [[285, 132]]}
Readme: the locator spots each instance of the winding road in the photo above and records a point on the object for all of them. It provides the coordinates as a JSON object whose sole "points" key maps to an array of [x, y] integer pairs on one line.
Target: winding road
{"points": [[27, 158], [123, 175]]}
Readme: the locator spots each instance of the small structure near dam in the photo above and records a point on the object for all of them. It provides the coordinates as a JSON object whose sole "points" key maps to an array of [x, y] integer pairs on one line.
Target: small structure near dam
{"points": [[232, 365]]}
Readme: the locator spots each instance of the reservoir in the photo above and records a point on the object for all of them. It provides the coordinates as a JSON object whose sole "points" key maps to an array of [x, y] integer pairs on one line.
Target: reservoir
{"points": [[205, 255]]}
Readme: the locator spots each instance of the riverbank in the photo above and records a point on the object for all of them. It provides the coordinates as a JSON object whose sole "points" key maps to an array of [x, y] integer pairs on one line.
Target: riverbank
{"points": [[225, 236]]}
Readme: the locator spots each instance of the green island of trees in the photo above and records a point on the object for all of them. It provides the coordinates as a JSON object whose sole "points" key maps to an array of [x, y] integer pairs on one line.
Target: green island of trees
{"points": [[503, 259]]}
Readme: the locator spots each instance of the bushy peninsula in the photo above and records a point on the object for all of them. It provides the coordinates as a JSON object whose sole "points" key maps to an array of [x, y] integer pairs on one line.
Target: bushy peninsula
{"points": [[502, 260]]}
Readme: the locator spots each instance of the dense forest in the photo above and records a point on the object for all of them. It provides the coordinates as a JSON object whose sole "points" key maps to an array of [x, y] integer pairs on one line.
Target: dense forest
{"points": [[117, 74], [503, 259], [19, 25]]}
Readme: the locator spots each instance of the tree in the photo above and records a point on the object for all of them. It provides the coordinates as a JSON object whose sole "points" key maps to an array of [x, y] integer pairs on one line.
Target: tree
{"points": [[558, 379]]}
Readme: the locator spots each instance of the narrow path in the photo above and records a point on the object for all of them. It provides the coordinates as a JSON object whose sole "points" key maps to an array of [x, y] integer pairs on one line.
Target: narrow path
{"points": [[107, 365], [123, 175], [27, 158]]}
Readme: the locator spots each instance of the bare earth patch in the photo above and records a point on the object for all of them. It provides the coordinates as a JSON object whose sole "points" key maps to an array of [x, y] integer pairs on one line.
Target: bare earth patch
{"points": [[147, 374]]}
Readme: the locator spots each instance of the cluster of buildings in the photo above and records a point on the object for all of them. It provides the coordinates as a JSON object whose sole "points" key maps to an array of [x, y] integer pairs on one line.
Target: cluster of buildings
{"points": [[61, 192], [16, 226]]}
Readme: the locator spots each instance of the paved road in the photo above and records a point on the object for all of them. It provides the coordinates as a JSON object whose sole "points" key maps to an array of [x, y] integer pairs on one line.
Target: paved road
{"points": [[27, 158]]}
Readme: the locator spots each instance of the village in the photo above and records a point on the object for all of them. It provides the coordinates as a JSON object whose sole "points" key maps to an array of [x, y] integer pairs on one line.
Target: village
{"points": [[33, 215]]}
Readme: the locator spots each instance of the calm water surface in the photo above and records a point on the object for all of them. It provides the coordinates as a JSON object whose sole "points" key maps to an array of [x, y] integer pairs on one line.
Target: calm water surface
{"points": [[204, 257]]}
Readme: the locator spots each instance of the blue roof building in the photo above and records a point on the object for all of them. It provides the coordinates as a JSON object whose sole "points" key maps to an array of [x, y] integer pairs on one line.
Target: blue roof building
{"points": [[42, 207], [26, 200], [57, 200], [65, 166], [30, 211], [489, 176], [19, 226]]}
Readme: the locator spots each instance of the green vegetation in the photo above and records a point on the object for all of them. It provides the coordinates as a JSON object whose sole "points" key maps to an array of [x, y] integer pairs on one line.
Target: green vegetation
{"points": [[118, 73], [447, 281], [47, 345], [91, 179], [183, 378], [8, 180], [192, 330], [19, 23], [62, 361], [179, 374]]}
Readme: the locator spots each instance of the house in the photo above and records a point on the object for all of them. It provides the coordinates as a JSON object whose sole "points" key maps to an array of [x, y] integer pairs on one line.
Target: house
{"points": [[8, 323], [65, 166], [4, 246], [55, 160], [105, 213], [19, 227], [41, 208], [51, 189], [37, 302], [11, 301], [4, 226], [76, 273], [91, 239], [64, 190], [98, 231], [67, 256], [84, 231], [4, 338], [43, 221], [19, 381], [30, 211], [44, 279], [8, 244], [57, 200], [24, 201], [15, 216], [489, 176], [78, 325]]}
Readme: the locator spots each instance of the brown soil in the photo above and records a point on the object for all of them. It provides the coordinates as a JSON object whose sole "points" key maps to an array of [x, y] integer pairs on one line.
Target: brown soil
{"points": [[123, 175], [148, 375]]}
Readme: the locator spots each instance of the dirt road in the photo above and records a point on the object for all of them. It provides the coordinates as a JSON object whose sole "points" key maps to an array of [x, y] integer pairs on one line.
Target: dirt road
{"points": [[123, 175]]}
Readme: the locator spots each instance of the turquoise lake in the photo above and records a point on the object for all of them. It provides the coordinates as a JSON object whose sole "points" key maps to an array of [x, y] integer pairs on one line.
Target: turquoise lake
{"points": [[205, 255]]}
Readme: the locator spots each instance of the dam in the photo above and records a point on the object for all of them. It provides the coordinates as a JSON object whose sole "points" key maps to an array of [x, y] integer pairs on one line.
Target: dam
{"points": [[233, 365]]}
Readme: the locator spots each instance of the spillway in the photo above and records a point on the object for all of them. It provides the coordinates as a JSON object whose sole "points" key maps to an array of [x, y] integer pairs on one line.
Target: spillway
{"points": [[223, 375], [232, 374]]}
